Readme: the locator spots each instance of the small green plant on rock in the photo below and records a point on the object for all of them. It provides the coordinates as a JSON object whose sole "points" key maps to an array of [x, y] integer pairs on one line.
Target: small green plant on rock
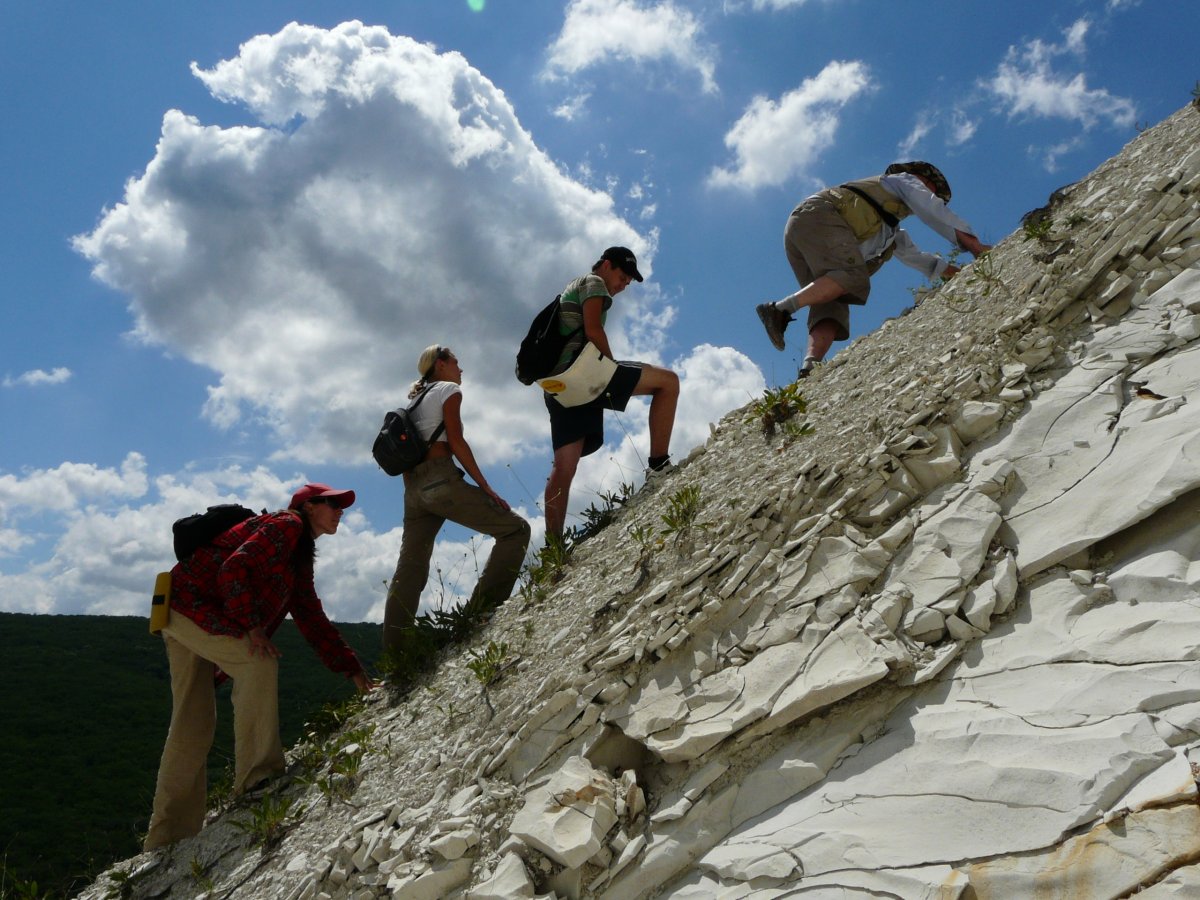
{"points": [[683, 507], [269, 821], [793, 431], [597, 518], [1038, 229], [646, 538], [545, 570], [490, 664], [778, 405], [121, 884], [200, 877], [332, 762], [332, 717], [220, 792], [985, 271]]}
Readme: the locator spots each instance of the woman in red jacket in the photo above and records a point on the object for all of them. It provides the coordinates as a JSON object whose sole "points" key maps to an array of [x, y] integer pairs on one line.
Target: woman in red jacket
{"points": [[227, 599]]}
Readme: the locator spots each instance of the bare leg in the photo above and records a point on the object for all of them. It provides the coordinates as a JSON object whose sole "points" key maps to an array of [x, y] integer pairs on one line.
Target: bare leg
{"points": [[558, 486], [820, 339], [822, 290], [663, 387]]}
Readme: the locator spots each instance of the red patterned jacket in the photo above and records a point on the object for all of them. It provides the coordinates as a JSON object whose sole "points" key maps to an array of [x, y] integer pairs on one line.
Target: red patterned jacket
{"points": [[249, 578]]}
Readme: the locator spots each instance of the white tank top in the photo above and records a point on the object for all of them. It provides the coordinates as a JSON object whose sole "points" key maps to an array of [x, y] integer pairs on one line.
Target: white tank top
{"points": [[428, 416]]}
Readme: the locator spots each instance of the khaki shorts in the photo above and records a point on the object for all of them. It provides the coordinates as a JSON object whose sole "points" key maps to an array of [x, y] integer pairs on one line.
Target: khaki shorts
{"points": [[819, 242]]}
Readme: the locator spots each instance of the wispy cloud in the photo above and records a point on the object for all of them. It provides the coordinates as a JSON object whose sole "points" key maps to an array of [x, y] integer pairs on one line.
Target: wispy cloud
{"points": [[962, 127], [572, 108], [38, 378], [1027, 84], [596, 32], [920, 130], [1050, 155], [775, 141], [777, 4]]}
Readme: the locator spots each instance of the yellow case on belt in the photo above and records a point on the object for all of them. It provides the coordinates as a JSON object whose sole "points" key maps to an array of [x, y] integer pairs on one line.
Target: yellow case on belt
{"points": [[160, 603]]}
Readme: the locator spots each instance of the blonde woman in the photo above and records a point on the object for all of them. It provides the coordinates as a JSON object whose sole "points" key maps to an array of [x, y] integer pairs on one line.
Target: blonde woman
{"points": [[436, 491]]}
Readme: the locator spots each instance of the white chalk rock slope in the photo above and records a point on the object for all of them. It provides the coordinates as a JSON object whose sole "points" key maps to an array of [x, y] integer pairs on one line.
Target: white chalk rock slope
{"points": [[946, 645]]}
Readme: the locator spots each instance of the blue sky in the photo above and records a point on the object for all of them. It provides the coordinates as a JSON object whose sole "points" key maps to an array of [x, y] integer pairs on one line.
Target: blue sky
{"points": [[230, 235]]}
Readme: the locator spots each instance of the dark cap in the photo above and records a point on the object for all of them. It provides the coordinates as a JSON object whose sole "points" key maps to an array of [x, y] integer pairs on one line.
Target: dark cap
{"points": [[941, 186], [343, 499], [623, 259]]}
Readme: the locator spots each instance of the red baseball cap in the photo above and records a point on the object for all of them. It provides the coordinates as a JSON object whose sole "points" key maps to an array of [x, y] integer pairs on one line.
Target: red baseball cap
{"points": [[313, 491]]}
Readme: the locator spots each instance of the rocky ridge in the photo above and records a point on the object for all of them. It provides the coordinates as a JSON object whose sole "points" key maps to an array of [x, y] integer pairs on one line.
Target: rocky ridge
{"points": [[942, 646]]}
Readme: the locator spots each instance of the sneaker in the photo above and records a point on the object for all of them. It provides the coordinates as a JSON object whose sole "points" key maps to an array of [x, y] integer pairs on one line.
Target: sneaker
{"points": [[807, 366], [775, 320], [654, 475]]}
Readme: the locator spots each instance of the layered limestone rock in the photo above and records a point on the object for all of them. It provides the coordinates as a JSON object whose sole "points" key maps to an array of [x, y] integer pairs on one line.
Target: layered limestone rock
{"points": [[943, 646]]}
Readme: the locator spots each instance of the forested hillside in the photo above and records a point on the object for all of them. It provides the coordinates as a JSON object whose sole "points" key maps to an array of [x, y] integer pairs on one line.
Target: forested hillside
{"points": [[85, 709]]}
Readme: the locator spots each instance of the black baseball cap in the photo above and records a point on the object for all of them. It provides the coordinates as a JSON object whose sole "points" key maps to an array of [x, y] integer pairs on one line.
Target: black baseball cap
{"points": [[623, 259]]}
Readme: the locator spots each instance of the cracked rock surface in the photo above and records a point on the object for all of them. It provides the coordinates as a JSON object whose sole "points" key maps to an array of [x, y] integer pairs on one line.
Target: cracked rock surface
{"points": [[945, 645]]}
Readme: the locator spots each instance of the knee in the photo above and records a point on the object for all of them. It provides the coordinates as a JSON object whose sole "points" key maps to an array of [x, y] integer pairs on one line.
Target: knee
{"points": [[562, 471], [666, 382], [411, 569], [517, 537], [672, 384]]}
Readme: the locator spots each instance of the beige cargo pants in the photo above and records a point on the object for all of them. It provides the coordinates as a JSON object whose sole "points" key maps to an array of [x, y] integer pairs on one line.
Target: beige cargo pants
{"points": [[181, 790], [434, 492]]}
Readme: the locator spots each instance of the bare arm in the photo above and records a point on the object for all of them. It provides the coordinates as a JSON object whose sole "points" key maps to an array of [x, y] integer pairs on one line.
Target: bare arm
{"points": [[593, 330], [452, 417], [971, 243]]}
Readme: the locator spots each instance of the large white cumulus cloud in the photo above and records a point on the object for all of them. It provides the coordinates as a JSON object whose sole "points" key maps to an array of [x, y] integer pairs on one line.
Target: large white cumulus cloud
{"points": [[381, 197], [774, 141], [388, 200]]}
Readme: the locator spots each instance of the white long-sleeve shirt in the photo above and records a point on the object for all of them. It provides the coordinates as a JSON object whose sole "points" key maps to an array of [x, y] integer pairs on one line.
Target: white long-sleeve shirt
{"points": [[931, 210]]}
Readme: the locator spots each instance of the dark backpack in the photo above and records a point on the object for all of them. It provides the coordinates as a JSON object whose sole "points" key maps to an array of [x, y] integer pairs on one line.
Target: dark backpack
{"points": [[399, 447], [201, 529], [543, 345]]}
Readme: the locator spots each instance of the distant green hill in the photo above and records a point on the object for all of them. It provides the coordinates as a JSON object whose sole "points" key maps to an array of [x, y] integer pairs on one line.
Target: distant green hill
{"points": [[84, 711]]}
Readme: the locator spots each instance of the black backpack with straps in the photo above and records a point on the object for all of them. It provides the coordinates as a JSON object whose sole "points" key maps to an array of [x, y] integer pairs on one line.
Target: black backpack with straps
{"points": [[399, 447], [543, 345], [201, 529]]}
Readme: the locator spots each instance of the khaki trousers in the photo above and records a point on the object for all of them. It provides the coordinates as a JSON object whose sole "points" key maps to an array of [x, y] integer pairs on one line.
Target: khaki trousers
{"points": [[181, 791], [818, 242], [434, 492]]}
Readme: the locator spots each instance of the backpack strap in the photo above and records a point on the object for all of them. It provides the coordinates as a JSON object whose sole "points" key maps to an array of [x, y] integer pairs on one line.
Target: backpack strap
{"points": [[889, 220], [437, 432]]}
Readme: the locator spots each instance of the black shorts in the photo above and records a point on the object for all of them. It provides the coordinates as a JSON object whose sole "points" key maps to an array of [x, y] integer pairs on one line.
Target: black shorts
{"points": [[569, 424]]}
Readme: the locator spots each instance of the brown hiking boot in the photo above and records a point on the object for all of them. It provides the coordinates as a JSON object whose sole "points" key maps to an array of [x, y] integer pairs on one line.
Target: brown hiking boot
{"points": [[775, 320]]}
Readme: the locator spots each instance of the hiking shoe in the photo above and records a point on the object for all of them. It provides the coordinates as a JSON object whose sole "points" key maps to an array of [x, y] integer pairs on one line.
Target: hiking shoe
{"points": [[775, 320], [807, 366], [655, 475]]}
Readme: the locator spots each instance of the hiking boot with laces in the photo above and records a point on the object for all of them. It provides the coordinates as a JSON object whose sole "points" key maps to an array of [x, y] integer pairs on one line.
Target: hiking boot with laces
{"points": [[775, 320]]}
